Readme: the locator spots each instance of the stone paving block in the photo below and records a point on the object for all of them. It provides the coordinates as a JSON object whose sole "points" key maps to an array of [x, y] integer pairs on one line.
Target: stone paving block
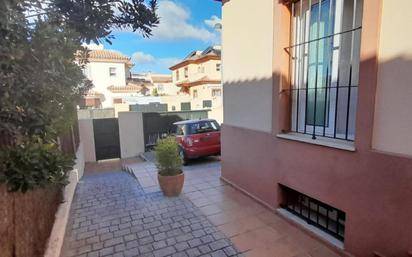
{"points": [[222, 243], [146, 240], [133, 252], [159, 244], [193, 252], [92, 240], [85, 235], [84, 249], [168, 251], [219, 253], [106, 251], [132, 244], [144, 233], [97, 246], [207, 239], [160, 236], [106, 236], [194, 242], [181, 246], [171, 241], [204, 249], [154, 231], [122, 232], [230, 251], [112, 242], [120, 248], [93, 254], [146, 248], [181, 254], [125, 225], [130, 237], [199, 233]]}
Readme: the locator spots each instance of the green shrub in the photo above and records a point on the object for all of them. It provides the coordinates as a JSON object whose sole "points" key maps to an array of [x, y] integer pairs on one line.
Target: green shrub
{"points": [[168, 161], [33, 164]]}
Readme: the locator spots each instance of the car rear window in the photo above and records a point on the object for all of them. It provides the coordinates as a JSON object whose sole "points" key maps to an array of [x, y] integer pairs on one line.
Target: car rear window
{"points": [[180, 130], [202, 127]]}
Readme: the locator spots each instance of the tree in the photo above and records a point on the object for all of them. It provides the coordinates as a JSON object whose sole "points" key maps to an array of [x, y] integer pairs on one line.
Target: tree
{"points": [[155, 92], [41, 80]]}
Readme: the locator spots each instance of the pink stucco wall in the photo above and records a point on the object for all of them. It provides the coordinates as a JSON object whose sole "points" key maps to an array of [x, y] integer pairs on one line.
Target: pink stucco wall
{"points": [[374, 189]]}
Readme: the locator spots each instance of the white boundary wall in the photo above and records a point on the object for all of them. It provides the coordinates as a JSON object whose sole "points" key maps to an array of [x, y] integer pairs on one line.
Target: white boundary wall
{"points": [[131, 134]]}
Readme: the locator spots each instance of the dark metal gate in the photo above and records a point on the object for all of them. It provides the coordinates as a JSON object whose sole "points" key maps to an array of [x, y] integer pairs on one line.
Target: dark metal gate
{"points": [[106, 138], [159, 125], [156, 126]]}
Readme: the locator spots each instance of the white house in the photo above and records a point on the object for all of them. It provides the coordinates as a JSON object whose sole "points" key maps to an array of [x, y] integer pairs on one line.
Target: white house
{"points": [[106, 69]]}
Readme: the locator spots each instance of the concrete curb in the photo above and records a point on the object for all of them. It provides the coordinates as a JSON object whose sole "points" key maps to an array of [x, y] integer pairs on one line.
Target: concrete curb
{"points": [[144, 157], [55, 242]]}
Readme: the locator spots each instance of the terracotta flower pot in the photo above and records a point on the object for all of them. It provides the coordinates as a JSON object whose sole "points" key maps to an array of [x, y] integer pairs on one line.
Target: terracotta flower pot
{"points": [[171, 185]]}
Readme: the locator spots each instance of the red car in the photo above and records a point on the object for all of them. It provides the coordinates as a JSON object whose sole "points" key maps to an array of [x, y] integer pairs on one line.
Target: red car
{"points": [[198, 138]]}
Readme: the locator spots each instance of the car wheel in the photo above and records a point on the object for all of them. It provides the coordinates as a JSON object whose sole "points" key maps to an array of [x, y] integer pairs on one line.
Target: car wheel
{"points": [[182, 157]]}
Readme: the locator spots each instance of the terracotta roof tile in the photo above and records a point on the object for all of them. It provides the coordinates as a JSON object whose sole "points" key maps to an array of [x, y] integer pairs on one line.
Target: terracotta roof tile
{"points": [[162, 79], [129, 88], [107, 54]]}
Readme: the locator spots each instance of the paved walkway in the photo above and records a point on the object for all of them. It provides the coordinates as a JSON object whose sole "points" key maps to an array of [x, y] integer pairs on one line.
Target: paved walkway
{"points": [[253, 229], [112, 215]]}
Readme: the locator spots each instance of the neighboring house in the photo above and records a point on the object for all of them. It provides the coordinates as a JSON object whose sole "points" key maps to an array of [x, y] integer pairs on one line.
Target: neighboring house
{"points": [[92, 99], [132, 89], [199, 75], [105, 68], [163, 83], [317, 108]]}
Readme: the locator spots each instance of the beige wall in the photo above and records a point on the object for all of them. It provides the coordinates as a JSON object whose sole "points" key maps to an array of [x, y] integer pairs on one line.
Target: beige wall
{"points": [[174, 101], [216, 113], [167, 88], [393, 107], [87, 139], [131, 134], [198, 71], [120, 108], [204, 92], [247, 85]]}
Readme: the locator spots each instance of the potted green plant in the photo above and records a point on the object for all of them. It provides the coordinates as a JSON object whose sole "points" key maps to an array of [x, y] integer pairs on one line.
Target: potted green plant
{"points": [[169, 165]]}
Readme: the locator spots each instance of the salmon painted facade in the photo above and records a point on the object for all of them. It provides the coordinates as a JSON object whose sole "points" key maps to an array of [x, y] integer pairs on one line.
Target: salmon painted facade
{"points": [[317, 117]]}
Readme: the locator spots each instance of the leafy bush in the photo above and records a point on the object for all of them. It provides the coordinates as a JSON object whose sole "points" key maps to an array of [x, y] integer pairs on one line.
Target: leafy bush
{"points": [[168, 161], [33, 164], [41, 80]]}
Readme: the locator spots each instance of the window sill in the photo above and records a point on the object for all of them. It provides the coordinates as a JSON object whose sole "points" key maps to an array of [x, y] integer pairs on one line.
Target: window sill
{"points": [[322, 141], [316, 231]]}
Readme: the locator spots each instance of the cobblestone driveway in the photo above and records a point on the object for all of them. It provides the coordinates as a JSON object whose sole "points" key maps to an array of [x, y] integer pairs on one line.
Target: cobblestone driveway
{"points": [[112, 215]]}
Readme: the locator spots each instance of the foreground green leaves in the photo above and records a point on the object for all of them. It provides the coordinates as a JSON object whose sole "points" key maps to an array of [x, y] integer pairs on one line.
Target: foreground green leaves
{"points": [[41, 80], [33, 164]]}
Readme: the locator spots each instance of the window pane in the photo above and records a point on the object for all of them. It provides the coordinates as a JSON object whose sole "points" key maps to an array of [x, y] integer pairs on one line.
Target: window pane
{"points": [[207, 104], [324, 67], [185, 106], [203, 127], [319, 62], [180, 130]]}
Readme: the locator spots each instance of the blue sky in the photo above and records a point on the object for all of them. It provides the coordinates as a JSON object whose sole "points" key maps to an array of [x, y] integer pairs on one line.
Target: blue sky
{"points": [[185, 25]]}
